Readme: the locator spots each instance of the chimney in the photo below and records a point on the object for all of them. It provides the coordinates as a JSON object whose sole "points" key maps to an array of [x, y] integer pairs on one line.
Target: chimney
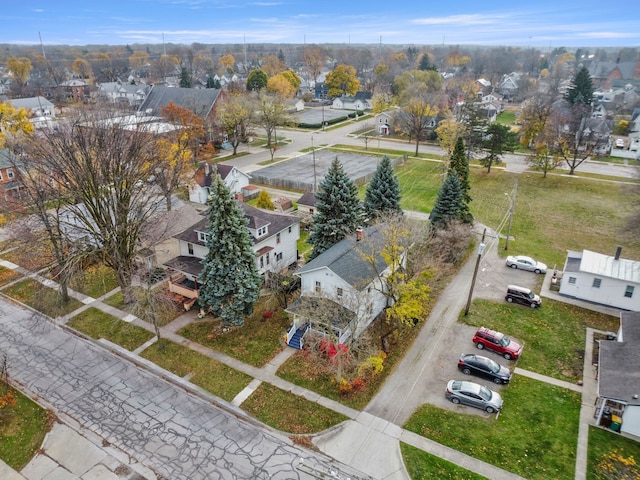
{"points": [[618, 252], [359, 233]]}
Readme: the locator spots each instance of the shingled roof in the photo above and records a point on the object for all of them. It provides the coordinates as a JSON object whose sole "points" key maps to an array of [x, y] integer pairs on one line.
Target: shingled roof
{"points": [[199, 100]]}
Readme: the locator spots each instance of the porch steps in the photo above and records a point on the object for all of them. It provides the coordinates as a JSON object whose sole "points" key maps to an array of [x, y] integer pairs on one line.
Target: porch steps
{"points": [[296, 340]]}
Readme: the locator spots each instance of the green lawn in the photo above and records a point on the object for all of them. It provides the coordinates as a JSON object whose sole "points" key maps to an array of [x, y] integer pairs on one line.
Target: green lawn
{"points": [[41, 298], [166, 312], [213, 376], [23, 427], [257, 342], [506, 118], [288, 412], [554, 335], [98, 324], [534, 436], [424, 466], [94, 281], [602, 443]]}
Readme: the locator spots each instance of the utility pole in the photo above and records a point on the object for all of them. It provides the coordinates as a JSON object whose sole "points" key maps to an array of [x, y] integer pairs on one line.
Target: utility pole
{"points": [[475, 271], [313, 153], [512, 208]]}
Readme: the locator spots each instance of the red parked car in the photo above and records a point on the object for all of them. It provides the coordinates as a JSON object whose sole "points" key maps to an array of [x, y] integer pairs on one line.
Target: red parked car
{"points": [[498, 342]]}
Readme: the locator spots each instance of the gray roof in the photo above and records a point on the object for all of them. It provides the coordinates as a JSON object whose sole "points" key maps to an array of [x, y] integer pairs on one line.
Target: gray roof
{"points": [[604, 266], [7, 159], [31, 103], [603, 69], [308, 199], [345, 258], [619, 362], [199, 100]]}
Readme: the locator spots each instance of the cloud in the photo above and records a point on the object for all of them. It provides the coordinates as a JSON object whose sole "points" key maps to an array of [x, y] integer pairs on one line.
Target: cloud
{"points": [[38, 10], [461, 20]]}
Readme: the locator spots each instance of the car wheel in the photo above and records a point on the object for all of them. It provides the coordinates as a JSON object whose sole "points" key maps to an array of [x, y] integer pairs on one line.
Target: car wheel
{"points": [[513, 265], [455, 400], [507, 356], [497, 381], [509, 299], [489, 410], [479, 346], [537, 270], [532, 305], [466, 371]]}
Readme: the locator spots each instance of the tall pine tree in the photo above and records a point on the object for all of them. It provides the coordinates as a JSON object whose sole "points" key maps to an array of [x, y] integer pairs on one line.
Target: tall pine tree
{"points": [[338, 210], [230, 282], [459, 166], [383, 192], [581, 89], [449, 205]]}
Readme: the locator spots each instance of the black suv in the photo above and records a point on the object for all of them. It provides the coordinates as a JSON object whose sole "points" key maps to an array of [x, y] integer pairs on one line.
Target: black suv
{"points": [[522, 295]]}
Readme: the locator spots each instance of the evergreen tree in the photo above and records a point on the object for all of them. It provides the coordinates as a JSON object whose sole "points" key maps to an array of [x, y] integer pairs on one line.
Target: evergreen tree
{"points": [[498, 139], [459, 164], [449, 205], [338, 210], [230, 282], [185, 78], [213, 83], [425, 63], [581, 89], [383, 192]]}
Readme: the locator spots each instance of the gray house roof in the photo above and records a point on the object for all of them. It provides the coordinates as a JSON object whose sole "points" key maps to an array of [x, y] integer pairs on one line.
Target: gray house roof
{"points": [[8, 159], [603, 265], [32, 103], [346, 260], [199, 100], [619, 362]]}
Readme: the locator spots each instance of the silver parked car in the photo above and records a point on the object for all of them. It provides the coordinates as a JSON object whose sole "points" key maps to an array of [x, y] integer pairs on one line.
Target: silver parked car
{"points": [[526, 263], [474, 395]]}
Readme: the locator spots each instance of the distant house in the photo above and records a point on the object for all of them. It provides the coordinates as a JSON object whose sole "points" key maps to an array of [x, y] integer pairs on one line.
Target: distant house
{"points": [[384, 122], [341, 292], [123, 93], [274, 236], [508, 86], [604, 74], [618, 403], [359, 102], [307, 203], [603, 279], [234, 178], [9, 175], [38, 107], [294, 105], [76, 90]]}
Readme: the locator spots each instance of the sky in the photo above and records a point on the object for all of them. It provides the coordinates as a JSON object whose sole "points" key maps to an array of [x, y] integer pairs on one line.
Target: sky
{"points": [[539, 23]]}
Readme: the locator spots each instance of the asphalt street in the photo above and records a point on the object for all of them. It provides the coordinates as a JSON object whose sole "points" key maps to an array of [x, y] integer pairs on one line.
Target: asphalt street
{"points": [[177, 435]]}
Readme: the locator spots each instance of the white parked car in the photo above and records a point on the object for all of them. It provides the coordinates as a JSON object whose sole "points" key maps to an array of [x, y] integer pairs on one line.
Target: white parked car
{"points": [[619, 143], [526, 263]]}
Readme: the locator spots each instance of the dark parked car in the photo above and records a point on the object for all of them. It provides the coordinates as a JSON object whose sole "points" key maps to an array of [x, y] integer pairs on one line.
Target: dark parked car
{"points": [[471, 364], [498, 342], [523, 296], [474, 395]]}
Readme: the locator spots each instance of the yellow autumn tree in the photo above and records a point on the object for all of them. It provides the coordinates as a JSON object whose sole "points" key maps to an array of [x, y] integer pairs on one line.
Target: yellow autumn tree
{"points": [[227, 62], [13, 122], [20, 68], [448, 131], [280, 85], [138, 59]]}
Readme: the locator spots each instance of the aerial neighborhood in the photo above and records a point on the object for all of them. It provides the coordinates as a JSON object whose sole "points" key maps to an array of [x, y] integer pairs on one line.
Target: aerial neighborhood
{"points": [[319, 261]]}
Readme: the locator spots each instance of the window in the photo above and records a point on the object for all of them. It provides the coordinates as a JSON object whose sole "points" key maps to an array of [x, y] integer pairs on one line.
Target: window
{"points": [[596, 282], [190, 248], [203, 237], [267, 255], [279, 256], [572, 280], [10, 172], [629, 291], [278, 237], [289, 229], [0, 174], [261, 262], [310, 210], [318, 287], [339, 292]]}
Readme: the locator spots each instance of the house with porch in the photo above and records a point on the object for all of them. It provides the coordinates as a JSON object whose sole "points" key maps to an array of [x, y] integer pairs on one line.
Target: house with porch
{"points": [[618, 402], [274, 237], [341, 291], [234, 178], [603, 279]]}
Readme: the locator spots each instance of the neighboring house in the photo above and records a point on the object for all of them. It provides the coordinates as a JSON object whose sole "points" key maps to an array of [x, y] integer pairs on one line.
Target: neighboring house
{"points": [[341, 291], [203, 102], [283, 204], [634, 131], [604, 74], [294, 105], [484, 87], [123, 93], [598, 132], [618, 403], [9, 175], [307, 203], [76, 90], [508, 86], [235, 179], [384, 122], [359, 102], [274, 237], [603, 279], [39, 107]]}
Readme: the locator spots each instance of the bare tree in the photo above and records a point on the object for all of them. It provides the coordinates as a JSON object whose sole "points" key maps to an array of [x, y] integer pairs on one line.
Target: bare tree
{"points": [[102, 169]]}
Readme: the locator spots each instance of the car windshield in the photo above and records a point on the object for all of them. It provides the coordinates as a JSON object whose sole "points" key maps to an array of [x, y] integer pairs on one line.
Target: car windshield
{"points": [[485, 393], [532, 295], [505, 341], [493, 366]]}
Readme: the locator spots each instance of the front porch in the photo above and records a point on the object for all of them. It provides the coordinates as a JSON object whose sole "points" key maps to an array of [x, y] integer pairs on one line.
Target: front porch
{"points": [[319, 315]]}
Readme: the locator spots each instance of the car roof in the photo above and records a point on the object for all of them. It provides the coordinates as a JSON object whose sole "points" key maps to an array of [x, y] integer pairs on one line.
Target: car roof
{"points": [[490, 332], [466, 386], [524, 257]]}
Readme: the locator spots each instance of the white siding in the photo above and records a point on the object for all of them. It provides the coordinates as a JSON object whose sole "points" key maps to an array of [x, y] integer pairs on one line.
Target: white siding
{"points": [[611, 291]]}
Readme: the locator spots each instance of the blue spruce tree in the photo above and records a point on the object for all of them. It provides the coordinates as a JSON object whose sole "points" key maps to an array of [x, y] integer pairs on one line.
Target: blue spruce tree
{"points": [[382, 198]]}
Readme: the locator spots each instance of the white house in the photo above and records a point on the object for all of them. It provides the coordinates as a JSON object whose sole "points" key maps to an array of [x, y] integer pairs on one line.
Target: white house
{"points": [[384, 122], [603, 279], [274, 237], [42, 110], [234, 179], [360, 101], [123, 93], [341, 292], [618, 403]]}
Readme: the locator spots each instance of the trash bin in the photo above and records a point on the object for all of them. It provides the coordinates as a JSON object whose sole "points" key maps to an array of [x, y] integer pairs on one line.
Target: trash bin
{"points": [[616, 423]]}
